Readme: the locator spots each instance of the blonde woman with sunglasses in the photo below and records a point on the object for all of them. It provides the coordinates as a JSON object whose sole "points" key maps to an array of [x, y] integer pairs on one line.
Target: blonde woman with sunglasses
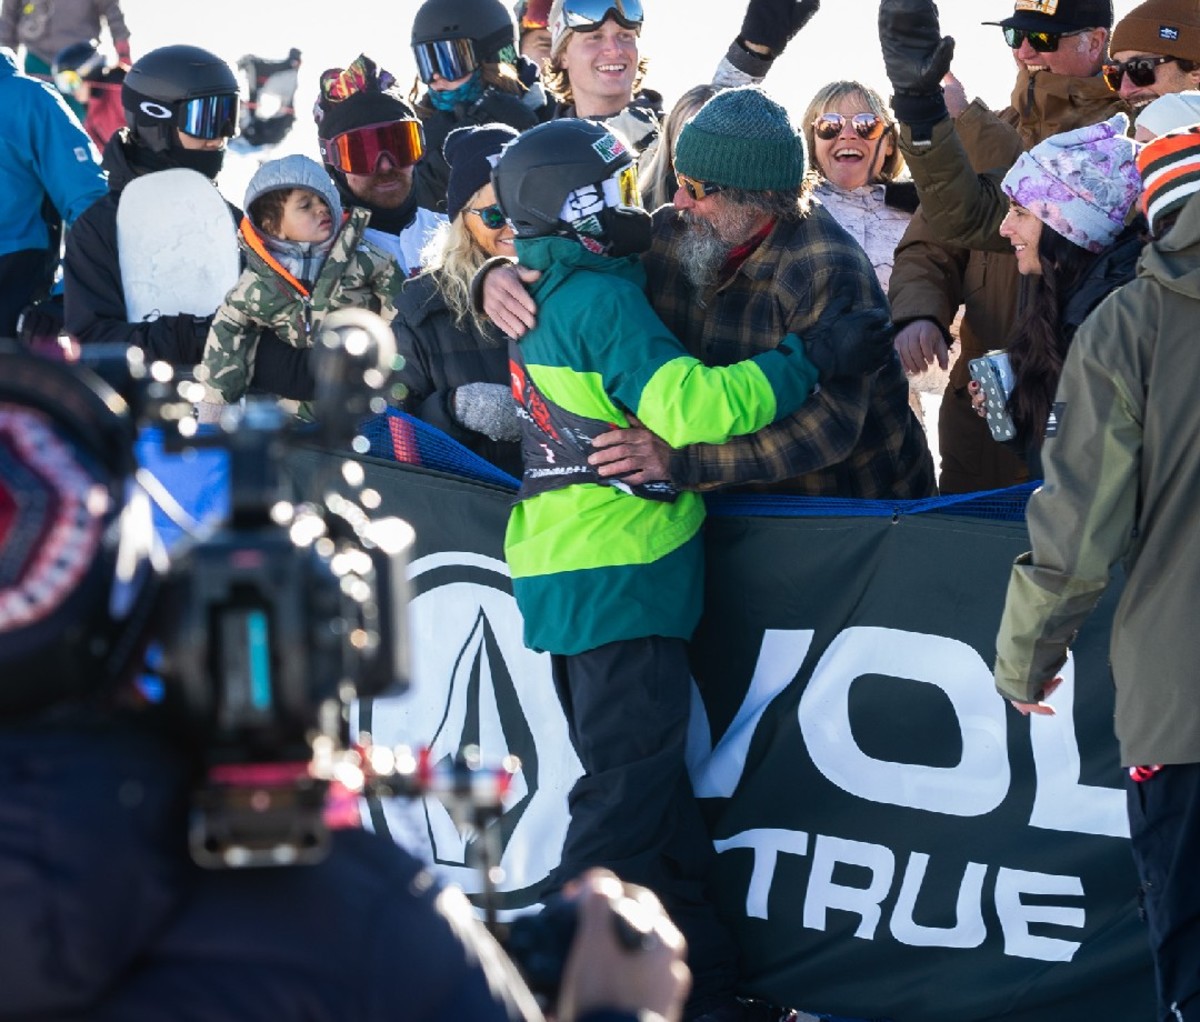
{"points": [[851, 136], [455, 362]]}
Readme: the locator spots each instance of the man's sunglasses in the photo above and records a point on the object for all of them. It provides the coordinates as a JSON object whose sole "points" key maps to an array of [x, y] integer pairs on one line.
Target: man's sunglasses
{"points": [[1042, 42], [697, 189], [867, 126], [585, 15], [359, 150], [1141, 70], [492, 216]]}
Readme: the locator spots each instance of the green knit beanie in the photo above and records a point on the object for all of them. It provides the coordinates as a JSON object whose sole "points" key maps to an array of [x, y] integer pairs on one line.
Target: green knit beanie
{"points": [[741, 138]]}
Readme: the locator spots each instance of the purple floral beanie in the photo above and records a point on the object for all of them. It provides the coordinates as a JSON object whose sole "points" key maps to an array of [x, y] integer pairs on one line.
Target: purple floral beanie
{"points": [[1080, 183]]}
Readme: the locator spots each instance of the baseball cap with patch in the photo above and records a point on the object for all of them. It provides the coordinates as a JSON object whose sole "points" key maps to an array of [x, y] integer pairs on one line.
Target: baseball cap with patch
{"points": [[1058, 15]]}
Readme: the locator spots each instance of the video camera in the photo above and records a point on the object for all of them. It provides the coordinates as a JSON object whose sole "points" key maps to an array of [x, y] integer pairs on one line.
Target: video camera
{"points": [[261, 632]]}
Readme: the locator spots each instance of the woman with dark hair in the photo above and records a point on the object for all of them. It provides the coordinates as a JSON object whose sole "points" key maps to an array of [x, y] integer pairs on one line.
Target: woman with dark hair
{"points": [[466, 55], [1070, 198]]}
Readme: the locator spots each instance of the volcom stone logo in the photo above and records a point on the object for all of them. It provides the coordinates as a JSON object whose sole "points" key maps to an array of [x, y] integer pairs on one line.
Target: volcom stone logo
{"points": [[475, 683]]}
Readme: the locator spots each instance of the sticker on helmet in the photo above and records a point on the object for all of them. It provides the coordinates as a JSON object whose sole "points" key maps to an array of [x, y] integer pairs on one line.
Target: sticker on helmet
{"points": [[609, 148]]}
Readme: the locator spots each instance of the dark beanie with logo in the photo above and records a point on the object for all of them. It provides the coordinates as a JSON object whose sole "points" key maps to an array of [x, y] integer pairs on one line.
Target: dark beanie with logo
{"points": [[468, 151], [741, 138], [1170, 28]]}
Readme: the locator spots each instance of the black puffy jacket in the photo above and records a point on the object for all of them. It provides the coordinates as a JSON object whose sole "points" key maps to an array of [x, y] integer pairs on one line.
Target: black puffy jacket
{"points": [[439, 355]]}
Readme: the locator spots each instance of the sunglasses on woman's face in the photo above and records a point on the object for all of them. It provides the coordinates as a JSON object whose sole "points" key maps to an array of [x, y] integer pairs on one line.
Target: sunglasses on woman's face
{"points": [[866, 125], [1142, 71], [1041, 42], [492, 216]]}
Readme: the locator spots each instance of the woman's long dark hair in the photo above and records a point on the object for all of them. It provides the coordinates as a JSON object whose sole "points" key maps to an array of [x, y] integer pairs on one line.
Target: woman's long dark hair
{"points": [[1039, 344]]}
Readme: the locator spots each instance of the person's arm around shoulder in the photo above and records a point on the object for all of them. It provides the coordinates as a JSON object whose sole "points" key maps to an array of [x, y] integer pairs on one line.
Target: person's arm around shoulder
{"points": [[500, 290]]}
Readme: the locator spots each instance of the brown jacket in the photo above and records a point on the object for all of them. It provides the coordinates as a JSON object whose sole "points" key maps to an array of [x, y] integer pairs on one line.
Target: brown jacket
{"points": [[952, 255]]}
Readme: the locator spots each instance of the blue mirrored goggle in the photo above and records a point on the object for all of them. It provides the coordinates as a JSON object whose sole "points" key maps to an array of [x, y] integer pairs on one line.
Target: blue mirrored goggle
{"points": [[209, 116], [449, 59], [586, 14]]}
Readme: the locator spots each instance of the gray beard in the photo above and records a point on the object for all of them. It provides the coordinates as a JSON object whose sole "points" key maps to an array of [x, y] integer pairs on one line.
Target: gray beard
{"points": [[707, 243], [702, 253]]}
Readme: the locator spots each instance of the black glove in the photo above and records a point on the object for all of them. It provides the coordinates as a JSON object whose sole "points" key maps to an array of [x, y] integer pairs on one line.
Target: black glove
{"points": [[855, 343], [916, 57], [774, 23], [40, 323], [190, 335], [528, 73]]}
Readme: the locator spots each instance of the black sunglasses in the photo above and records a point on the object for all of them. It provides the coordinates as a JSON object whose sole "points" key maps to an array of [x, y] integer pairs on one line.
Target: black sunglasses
{"points": [[1042, 42], [1141, 70], [866, 125], [492, 216]]}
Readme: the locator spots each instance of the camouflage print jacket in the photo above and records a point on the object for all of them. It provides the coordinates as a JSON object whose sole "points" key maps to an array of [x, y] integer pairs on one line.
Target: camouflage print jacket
{"points": [[355, 274]]}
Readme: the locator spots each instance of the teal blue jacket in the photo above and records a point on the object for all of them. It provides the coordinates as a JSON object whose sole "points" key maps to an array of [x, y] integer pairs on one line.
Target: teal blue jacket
{"points": [[594, 563]]}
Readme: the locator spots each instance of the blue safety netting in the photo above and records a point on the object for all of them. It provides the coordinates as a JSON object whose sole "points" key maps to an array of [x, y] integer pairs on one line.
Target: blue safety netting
{"points": [[395, 436]]}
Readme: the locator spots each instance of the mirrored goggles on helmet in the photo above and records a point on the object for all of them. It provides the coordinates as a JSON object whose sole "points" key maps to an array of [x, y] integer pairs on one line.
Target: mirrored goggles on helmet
{"points": [[209, 116], [359, 150], [867, 126], [67, 81], [448, 59], [535, 14], [583, 15]]}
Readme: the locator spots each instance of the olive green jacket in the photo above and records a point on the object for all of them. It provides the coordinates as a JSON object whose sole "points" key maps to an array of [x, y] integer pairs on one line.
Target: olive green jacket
{"points": [[1122, 483]]}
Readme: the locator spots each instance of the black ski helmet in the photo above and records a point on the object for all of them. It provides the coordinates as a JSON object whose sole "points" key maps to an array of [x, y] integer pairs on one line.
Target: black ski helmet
{"points": [[83, 58], [544, 165], [161, 82], [487, 23]]}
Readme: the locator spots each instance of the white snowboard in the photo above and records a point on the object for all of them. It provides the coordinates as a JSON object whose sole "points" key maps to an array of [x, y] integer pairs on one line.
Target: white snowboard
{"points": [[178, 245]]}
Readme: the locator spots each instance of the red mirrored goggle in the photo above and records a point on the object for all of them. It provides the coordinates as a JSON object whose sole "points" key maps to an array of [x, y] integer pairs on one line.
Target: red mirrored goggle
{"points": [[359, 150]]}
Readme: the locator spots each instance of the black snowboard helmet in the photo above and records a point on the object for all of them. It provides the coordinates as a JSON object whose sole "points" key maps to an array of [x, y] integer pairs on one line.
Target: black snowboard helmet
{"points": [[181, 87], [487, 24], [83, 58], [542, 167]]}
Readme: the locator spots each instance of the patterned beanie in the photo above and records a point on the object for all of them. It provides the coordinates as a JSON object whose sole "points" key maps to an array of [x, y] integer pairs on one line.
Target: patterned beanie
{"points": [[1170, 167], [1080, 183], [467, 151], [358, 95], [741, 138], [1166, 27]]}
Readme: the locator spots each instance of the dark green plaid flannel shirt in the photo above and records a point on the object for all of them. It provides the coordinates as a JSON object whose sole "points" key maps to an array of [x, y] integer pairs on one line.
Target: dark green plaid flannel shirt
{"points": [[854, 437]]}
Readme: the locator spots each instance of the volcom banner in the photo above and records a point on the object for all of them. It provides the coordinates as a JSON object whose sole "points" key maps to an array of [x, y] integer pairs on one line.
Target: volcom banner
{"points": [[894, 840]]}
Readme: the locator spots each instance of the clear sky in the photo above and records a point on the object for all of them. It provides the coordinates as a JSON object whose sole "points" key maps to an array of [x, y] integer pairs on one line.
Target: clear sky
{"points": [[684, 39]]}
